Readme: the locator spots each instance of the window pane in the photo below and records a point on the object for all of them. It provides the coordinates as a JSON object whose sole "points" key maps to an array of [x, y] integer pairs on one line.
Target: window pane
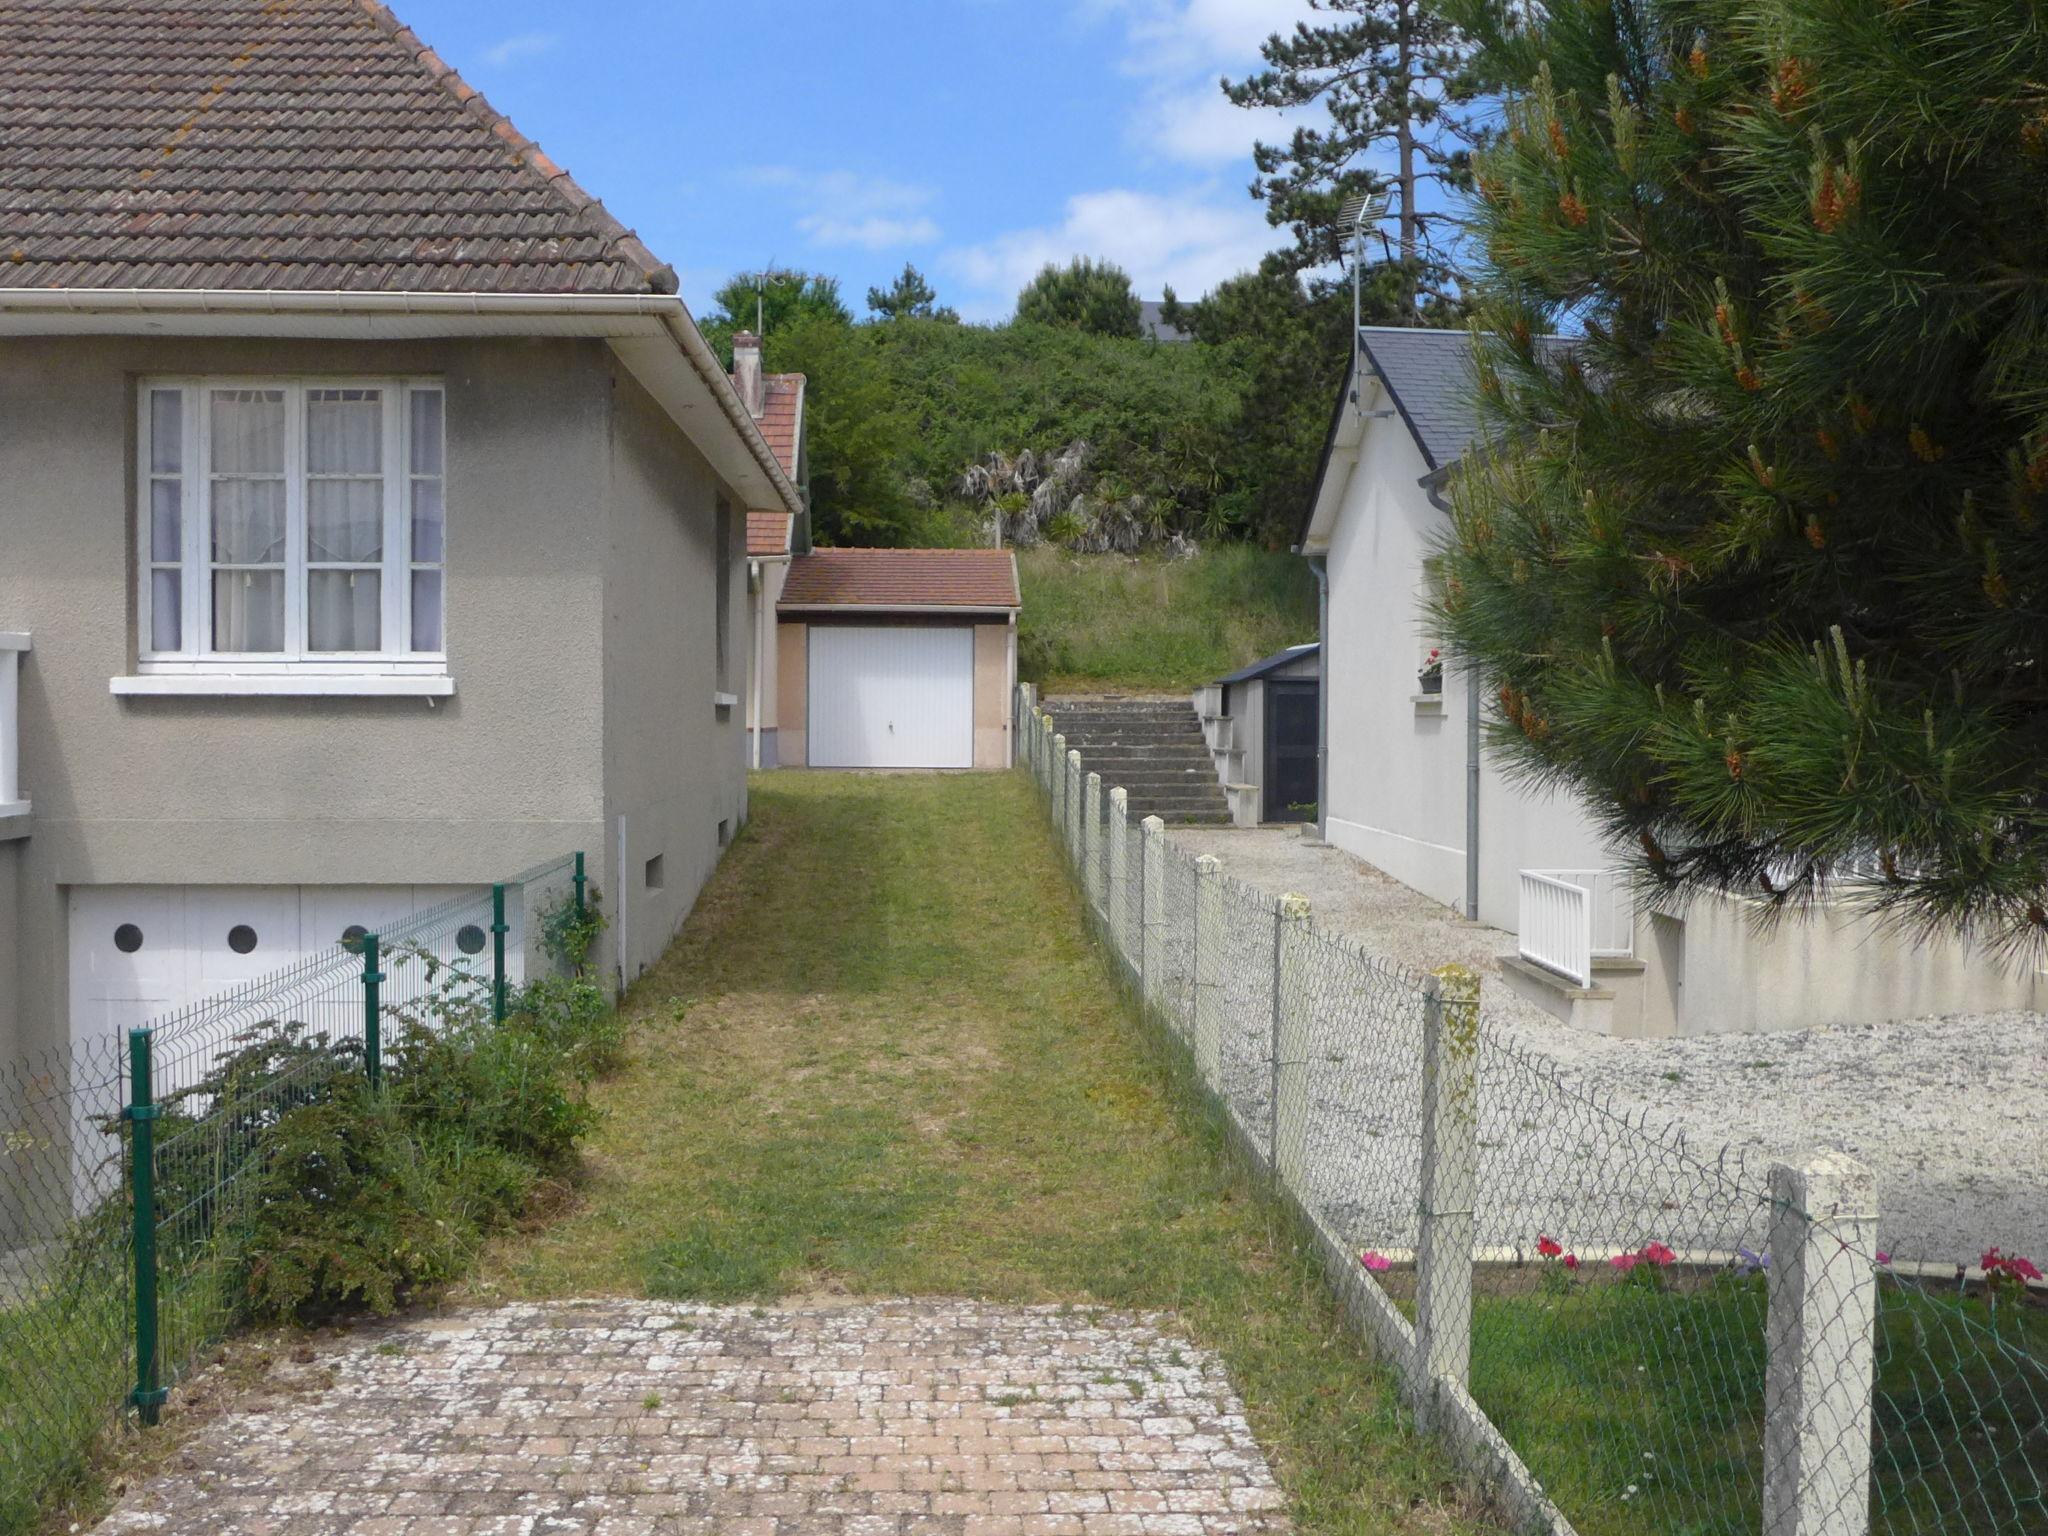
{"points": [[426, 520], [426, 431], [344, 432], [344, 520], [248, 522], [248, 432], [342, 610], [166, 611], [166, 520], [166, 431], [426, 610], [248, 610]]}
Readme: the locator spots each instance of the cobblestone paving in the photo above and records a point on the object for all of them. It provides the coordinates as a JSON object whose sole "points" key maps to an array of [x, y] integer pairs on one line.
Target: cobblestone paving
{"points": [[625, 1418]]}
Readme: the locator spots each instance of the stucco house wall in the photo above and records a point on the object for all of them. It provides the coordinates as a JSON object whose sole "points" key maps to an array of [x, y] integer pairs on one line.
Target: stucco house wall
{"points": [[570, 504], [764, 692], [792, 692], [994, 681]]}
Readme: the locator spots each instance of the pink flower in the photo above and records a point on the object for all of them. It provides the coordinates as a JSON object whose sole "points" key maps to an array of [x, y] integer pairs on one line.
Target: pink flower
{"points": [[1377, 1263], [1571, 1261], [2007, 1266], [1883, 1257], [1626, 1261], [1549, 1247], [1657, 1253]]}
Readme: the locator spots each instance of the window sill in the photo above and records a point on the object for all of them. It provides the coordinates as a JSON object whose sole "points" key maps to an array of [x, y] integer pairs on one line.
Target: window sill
{"points": [[1427, 703], [725, 700], [287, 685]]}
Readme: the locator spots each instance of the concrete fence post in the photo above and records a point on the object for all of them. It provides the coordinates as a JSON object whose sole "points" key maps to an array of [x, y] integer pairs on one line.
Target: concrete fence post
{"points": [[1091, 838], [1822, 1361], [1045, 753], [1152, 935], [1287, 1048], [1056, 781], [1119, 862], [1449, 1186], [1027, 711], [1209, 971], [1074, 812]]}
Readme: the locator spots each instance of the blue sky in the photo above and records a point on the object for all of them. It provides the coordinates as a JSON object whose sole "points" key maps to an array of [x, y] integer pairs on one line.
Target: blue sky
{"points": [[977, 138]]}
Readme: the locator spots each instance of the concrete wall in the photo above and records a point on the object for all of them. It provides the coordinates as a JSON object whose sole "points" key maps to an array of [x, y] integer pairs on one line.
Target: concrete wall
{"points": [[763, 691], [1830, 966], [792, 694], [995, 676], [675, 760], [1396, 795], [10, 950], [515, 768]]}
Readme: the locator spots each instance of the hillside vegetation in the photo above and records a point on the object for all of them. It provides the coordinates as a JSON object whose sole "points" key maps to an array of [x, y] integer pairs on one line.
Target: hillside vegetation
{"points": [[1112, 622]]}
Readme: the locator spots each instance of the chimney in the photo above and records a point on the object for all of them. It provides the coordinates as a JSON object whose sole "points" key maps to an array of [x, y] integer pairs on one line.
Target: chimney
{"points": [[746, 372]]}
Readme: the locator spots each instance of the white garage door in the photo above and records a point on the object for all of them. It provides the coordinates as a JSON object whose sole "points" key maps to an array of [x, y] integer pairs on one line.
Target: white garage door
{"points": [[898, 696], [139, 952]]}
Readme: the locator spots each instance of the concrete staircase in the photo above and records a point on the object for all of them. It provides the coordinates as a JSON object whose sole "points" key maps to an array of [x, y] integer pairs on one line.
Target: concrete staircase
{"points": [[1153, 748]]}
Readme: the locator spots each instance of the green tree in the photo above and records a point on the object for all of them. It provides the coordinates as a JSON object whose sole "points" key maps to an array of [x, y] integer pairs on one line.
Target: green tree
{"points": [[857, 432], [770, 301], [911, 296], [1084, 295], [1757, 566], [1393, 78]]}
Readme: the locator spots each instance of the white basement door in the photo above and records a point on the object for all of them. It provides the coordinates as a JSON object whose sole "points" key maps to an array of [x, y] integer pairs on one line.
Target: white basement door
{"points": [[891, 696]]}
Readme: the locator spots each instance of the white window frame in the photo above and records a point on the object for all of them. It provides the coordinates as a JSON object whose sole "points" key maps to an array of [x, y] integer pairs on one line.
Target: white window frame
{"points": [[395, 661]]}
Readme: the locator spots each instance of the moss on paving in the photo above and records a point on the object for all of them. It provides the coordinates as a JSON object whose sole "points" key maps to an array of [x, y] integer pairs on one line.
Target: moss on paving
{"points": [[884, 1060]]}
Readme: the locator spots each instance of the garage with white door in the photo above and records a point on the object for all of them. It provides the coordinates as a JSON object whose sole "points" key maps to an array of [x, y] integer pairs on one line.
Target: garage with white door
{"points": [[897, 658]]}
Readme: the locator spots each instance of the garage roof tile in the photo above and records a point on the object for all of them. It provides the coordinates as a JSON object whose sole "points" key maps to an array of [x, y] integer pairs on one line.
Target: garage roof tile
{"points": [[902, 578]]}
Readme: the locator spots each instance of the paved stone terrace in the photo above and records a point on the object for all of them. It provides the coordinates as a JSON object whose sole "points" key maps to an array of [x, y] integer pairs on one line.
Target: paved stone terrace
{"points": [[627, 1418]]}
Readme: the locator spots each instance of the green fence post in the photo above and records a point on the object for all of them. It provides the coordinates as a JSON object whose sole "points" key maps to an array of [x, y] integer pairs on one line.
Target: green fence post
{"points": [[498, 932], [141, 1114], [373, 1014], [581, 881]]}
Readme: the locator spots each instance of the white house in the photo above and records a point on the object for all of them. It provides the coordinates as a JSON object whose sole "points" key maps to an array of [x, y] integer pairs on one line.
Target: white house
{"points": [[1411, 787]]}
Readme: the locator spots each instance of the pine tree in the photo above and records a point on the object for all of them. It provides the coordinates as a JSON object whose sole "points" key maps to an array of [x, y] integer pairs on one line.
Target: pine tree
{"points": [[1757, 565], [910, 297], [1395, 78], [1084, 295]]}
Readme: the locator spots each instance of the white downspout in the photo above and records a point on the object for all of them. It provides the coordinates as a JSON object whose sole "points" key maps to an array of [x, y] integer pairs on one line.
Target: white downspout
{"points": [[757, 578]]}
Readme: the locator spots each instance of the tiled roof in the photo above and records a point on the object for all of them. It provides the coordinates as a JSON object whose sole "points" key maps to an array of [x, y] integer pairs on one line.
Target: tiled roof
{"points": [[768, 533], [1430, 376], [902, 578], [779, 417], [254, 144]]}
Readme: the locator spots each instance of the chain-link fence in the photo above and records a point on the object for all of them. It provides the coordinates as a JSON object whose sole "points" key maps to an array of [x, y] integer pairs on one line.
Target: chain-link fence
{"points": [[1616, 1331], [126, 1160]]}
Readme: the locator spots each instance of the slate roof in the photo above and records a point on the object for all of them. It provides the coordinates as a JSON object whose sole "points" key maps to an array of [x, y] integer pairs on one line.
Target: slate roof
{"points": [[784, 393], [768, 533], [902, 578], [1429, 375], [1272, 663], [251, 144]]}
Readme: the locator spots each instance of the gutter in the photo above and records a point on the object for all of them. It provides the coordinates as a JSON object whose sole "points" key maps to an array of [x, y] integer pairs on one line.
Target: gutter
{"points": [[668, 309], [956, 610]]}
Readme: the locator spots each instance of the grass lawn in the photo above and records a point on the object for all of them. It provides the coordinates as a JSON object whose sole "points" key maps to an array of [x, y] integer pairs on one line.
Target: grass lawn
{"points": [[1110, 621], [884, 1060]]}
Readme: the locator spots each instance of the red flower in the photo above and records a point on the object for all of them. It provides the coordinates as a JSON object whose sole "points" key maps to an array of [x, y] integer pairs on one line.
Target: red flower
{"points": [[1657, 1253], [1571, 1261], [1549, 1247], [1626, 1261]]}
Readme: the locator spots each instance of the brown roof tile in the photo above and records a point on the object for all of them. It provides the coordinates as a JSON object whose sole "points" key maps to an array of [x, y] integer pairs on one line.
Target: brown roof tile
{"points": [[902, 578], [251, 144], [781, 415], [768, 533]]}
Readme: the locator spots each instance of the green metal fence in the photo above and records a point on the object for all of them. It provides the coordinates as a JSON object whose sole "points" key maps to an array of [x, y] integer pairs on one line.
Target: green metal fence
{"points": [[125, 1161], [1618, 1330]]}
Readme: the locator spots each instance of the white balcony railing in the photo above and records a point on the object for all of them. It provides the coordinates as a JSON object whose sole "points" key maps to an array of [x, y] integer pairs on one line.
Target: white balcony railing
{"points": [[13, 802], [1569, 917]]}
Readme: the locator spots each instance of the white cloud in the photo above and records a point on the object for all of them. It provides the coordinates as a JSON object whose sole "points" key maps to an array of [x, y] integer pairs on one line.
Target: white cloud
{"points": [[841, 208], [521, 45], [1191, 240]]}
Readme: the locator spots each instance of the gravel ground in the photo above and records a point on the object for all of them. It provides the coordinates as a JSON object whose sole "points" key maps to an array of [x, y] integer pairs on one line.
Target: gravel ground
{"points": [[1950, 1112]]}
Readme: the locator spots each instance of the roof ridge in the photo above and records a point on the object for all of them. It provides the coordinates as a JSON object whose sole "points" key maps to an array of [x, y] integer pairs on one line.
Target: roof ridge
{"points": [[661, 277]]}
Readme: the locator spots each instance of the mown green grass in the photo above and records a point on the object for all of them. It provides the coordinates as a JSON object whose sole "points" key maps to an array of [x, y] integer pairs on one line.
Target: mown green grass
{"points": [[885, 1060], [1108, 621], [1642, 1409]]}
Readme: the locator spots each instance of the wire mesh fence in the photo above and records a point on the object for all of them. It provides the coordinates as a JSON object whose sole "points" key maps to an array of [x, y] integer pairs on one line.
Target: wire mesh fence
{"points": [[126, 1161], [1615, 1330]]}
